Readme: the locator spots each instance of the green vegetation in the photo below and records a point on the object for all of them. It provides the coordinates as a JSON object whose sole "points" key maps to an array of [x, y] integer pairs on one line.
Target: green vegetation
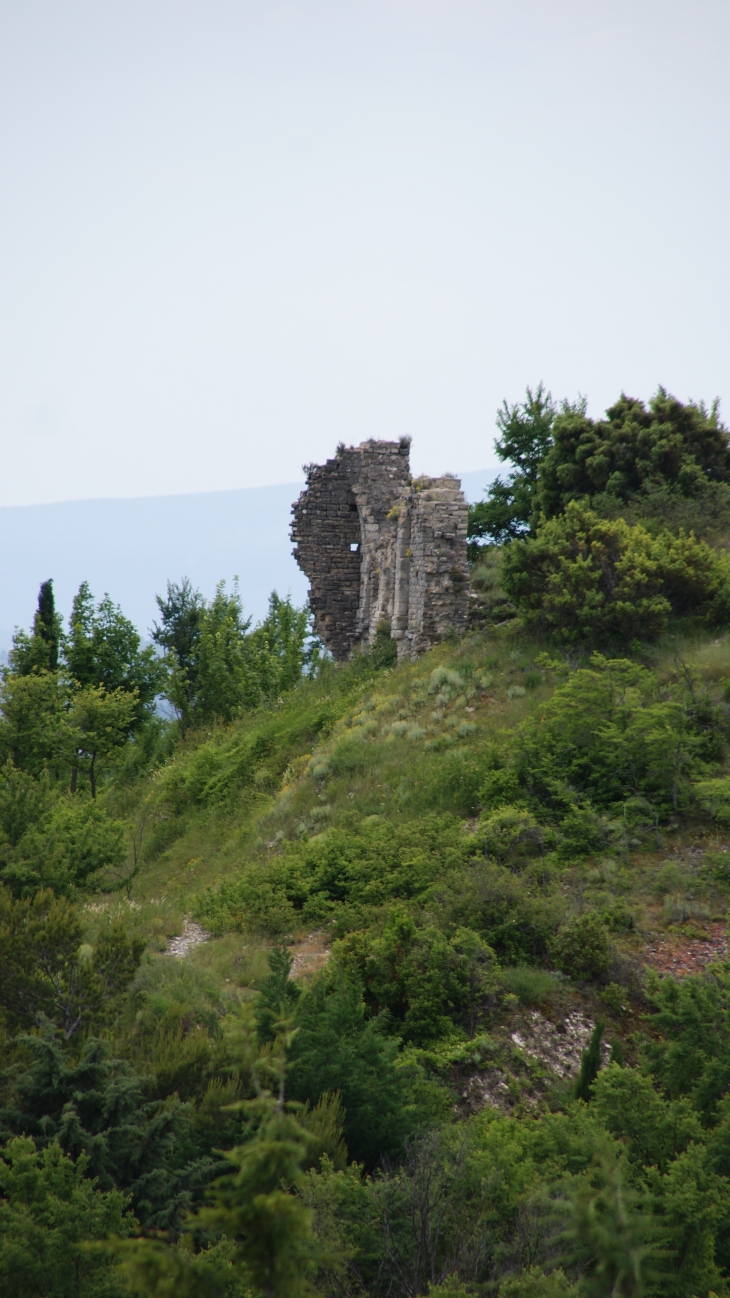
{"points": [[459, 1021]]}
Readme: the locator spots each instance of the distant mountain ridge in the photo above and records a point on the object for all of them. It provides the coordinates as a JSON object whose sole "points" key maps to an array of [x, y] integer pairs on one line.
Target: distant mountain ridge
{"points": [[131, 548]]}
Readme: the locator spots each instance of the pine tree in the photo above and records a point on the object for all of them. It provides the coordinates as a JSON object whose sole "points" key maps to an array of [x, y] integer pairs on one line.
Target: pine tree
{"points": [[590, 1064]]}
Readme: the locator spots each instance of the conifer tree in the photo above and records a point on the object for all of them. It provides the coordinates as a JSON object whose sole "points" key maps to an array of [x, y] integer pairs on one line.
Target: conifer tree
{"points": [[47, 624]]}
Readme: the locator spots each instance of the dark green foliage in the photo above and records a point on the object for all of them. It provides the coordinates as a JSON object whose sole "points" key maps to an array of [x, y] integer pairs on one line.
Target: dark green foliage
{"points": [[266, 1244], [512, 836], [24, 802], [355, 865], [48, 623], [49, 1209], [384, 650], [45, 973], [39, 651], [585, 580], [635, 448], [517, 919], [692, 1054], [277, 997], [425, 980], [179, 630], [590, 1064], [582, 948], [610, 1231], [653, 1129], [98, 1109], [338, 1048], [526, 437]]}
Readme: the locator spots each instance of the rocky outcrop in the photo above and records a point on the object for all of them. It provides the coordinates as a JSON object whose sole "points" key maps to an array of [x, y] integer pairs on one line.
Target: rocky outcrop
{"points": [[379, 546]]}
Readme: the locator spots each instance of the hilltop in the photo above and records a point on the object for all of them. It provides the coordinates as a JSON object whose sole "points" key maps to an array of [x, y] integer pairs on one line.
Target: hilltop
{"points": [[378, 976]]}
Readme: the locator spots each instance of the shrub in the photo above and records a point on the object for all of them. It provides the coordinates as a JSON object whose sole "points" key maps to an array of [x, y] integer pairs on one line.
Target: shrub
{"points": [[517, 924], [584, 579], [49, 1211], [530, 986], [66, 850], [635, 448], [609, 734], [425, 980], [582, 948], [338, 1048], [512, 836]]}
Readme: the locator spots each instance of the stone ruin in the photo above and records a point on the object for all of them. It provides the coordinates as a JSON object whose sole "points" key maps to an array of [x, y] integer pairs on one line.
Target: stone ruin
{"points": [[381, 547]]}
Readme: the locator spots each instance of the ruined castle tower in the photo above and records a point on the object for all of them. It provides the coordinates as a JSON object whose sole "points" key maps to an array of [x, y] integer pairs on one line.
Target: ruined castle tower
{"points": [[380, 546]]}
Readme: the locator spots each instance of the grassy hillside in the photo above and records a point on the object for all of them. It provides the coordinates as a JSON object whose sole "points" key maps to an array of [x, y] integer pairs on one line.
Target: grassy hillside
{"points": [[387, 979], [306, 824]]}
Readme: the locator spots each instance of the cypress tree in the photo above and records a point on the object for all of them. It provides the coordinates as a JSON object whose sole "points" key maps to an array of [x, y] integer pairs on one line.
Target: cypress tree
{"points": [[47, 623], [590, 1064]]}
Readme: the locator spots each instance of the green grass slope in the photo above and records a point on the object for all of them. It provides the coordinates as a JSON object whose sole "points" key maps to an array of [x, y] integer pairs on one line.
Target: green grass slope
{"points": [[365, 795]]}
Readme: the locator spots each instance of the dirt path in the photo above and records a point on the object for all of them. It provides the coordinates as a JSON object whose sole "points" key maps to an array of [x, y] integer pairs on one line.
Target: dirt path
{"points": [[309, 955]]}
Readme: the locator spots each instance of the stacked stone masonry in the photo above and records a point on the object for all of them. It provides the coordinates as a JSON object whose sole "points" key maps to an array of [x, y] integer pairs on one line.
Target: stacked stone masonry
{"points": [[379, 546]]}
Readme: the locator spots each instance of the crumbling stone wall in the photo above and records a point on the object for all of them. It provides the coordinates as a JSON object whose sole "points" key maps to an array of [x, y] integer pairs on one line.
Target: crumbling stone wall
{"points": [[378, 546]]}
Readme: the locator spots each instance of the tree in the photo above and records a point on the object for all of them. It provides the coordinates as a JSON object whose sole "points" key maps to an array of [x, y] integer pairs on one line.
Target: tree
{"points": [[98, 724], [633, 450], [421, 978], [220, 684], [46, 973], [582, 948], [31, 720], [611, 1230], [49, 1210], [276, 649], [265, 1228], [590, 1064], [337, 1048], [278, 995], [178, 633], [39, 651], [526, 439], [103, 650], [68, 843], [98, 1108]]}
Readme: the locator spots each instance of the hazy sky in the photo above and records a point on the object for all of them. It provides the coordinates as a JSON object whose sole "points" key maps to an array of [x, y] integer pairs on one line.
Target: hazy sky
{"points": [[235, 233]]}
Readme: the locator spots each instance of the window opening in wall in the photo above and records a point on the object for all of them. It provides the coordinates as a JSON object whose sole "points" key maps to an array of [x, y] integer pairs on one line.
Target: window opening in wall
{"points": [[354, 546]]}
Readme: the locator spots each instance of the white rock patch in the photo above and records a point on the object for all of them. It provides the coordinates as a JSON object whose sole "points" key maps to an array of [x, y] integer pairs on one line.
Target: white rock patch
{"points": [[191, 936], [557, 1046]]}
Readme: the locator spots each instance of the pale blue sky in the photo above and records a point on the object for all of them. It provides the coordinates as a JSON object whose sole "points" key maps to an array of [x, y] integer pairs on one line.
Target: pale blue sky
{"points": [[234, 233]]}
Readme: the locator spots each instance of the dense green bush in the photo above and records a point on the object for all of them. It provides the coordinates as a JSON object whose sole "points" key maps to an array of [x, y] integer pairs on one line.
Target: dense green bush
{"points": [[666, 462], [425, 980], [337, 1048], [582, 948], [587, 580], [517, 918], [99, 1109], [65, 849], [361, 863], [47, 973], [634, 448]]}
